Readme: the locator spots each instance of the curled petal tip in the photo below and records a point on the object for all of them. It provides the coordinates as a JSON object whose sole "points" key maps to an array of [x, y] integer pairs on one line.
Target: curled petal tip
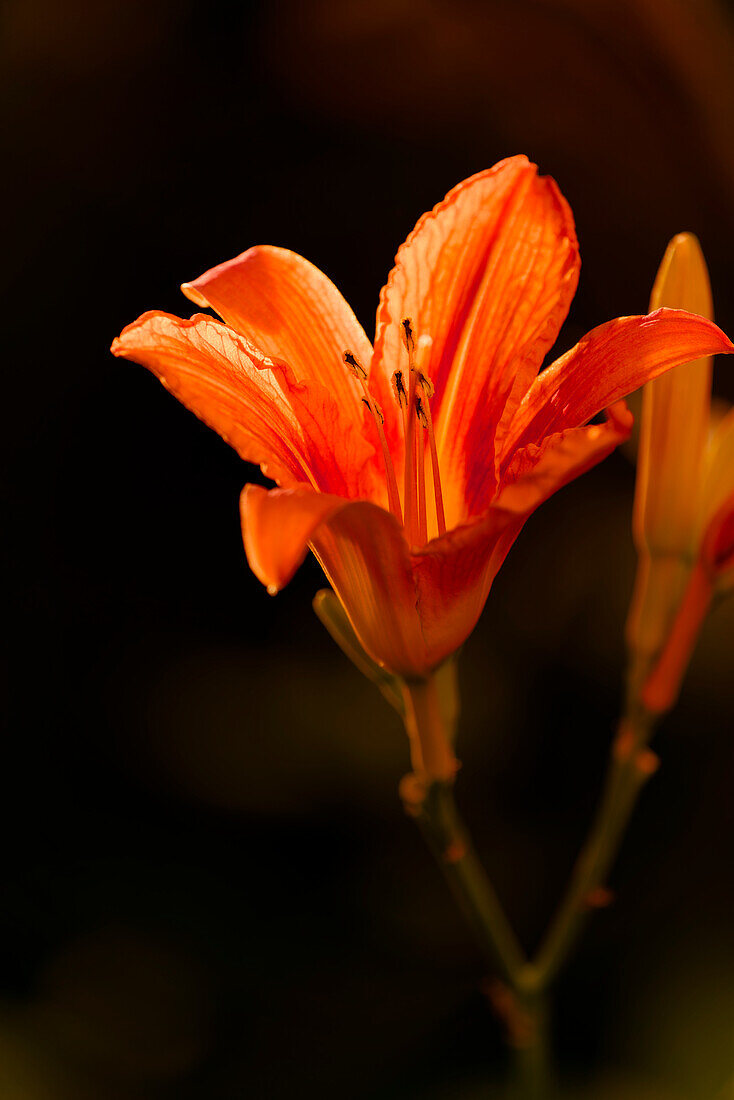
{"points": [[190, 292]]}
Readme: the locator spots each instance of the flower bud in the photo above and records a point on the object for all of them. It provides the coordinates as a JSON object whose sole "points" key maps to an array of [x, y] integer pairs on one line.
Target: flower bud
{"points": [[673, 435]]}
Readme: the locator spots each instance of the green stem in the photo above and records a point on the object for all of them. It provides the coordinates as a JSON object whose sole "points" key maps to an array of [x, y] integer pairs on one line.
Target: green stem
{"points": [[430, 718], [531, 1052], [520, 998], [448, 839], [630, 766]]}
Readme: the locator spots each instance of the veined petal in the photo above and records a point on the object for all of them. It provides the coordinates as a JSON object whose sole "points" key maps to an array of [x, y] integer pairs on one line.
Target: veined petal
{"points": [[488, 275], [536, 471], [295, 430], [609, 363], [453, 575], [363, 554], [290, 310], [365, 557], [277, 526]]}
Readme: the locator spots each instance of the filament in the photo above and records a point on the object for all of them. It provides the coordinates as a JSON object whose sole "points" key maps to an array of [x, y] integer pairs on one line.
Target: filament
{"points": [[360, 374], [409, 494], [427, 388]]}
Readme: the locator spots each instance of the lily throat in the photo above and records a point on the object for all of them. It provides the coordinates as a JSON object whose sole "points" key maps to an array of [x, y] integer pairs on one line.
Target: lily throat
{"points": [[419, 441]]}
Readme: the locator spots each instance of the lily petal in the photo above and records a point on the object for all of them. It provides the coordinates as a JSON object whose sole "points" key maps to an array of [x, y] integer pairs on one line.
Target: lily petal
{"points": [[290, 310], [537, 471], [610, 362], [365, 557], [488, 275], [363, 554], [453, 575], [295, 430], [277, 526]]}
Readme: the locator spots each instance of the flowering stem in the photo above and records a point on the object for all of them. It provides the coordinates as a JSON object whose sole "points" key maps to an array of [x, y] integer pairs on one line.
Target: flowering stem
{"points": [[630, 766], [429, 798], [531, 1049], [519, 994], [515, 997], [449, 841]]}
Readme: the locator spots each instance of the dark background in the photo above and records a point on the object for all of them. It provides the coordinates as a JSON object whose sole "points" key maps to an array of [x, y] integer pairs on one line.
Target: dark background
{"points": [[209, 888]]}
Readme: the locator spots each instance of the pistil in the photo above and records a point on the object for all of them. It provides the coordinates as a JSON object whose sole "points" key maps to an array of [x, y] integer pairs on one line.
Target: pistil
{"points": [[360, 374]]}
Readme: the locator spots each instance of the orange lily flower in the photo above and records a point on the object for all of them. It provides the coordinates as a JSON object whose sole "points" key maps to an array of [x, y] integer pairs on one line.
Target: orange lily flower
{"points": [[409, 469], [684, 499]]}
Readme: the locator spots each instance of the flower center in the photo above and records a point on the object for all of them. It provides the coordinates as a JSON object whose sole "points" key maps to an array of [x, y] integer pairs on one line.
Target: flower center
{"points": [[415, 407], [416, 427], [360, 374]]}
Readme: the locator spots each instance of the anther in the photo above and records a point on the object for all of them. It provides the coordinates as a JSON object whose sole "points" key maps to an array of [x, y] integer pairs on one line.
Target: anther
{"points": [[420, 412], [355, 366], [374, 408], [407, 332], [399, 389]]}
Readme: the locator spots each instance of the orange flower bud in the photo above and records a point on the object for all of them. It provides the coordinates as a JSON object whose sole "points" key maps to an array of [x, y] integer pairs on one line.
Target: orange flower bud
{"points": [[675, 415], [673, 434]]}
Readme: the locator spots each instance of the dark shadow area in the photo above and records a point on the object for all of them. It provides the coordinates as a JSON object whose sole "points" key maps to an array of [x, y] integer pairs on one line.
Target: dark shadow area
{"points": [[208, 887]]}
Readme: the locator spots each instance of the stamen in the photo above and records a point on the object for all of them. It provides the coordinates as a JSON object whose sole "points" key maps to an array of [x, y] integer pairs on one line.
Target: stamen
{"points": [[409, 495], [401, 397], [423, 353], [360, 374], [422, 521], [424, 344]]}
